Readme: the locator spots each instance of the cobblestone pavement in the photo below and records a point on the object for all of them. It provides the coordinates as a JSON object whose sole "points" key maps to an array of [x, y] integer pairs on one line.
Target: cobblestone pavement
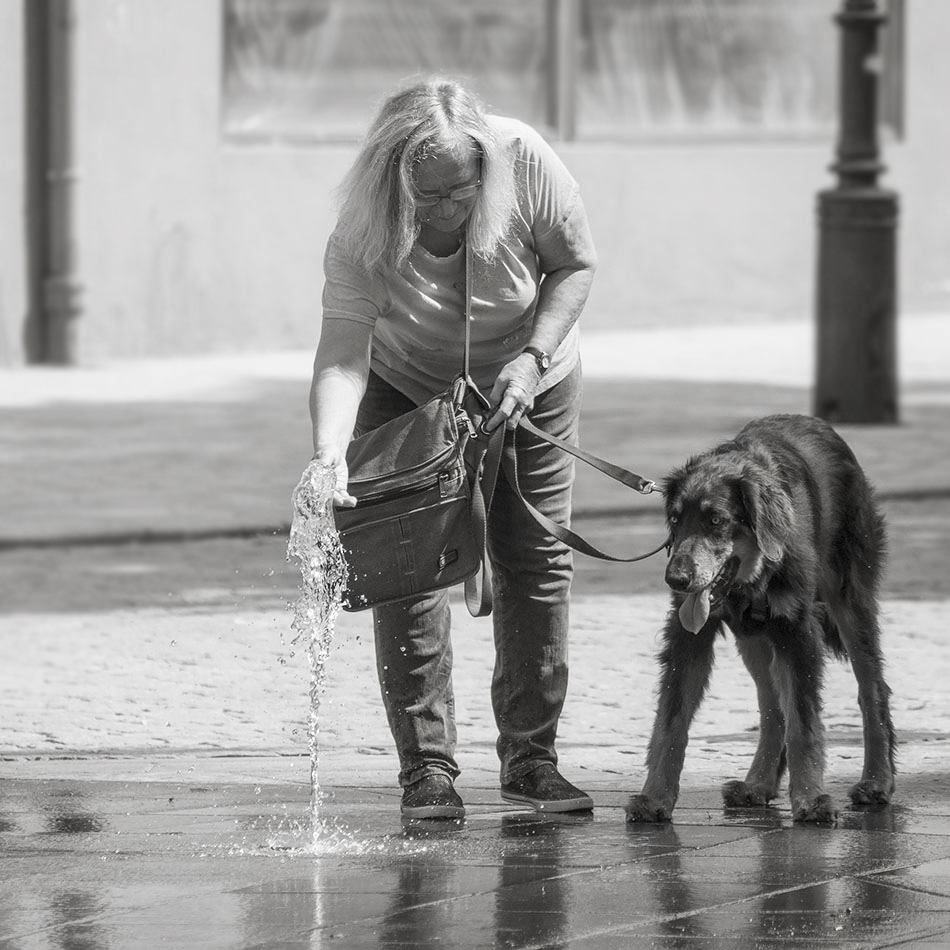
{"points": [[141, 646], [154, 762]]}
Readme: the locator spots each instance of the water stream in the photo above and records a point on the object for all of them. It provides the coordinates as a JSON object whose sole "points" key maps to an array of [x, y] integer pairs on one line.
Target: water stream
{"points": [[316, 545]]}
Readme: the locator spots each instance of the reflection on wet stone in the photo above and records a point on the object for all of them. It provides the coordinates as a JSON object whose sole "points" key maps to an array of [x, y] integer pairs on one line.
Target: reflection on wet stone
{"points": [[76, 916], [532, 897], [73, 823]]}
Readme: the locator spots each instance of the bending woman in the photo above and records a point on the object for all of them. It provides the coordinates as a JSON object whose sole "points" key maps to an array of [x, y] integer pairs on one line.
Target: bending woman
{"points": [[434, 171]]}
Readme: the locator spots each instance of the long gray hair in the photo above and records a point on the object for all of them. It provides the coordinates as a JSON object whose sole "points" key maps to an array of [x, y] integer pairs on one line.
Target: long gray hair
{"points": [[377, 209]]}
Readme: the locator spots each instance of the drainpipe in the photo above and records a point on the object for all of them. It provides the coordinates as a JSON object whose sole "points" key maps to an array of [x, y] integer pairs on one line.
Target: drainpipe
{"points": [[857, 251], [62, 291]]}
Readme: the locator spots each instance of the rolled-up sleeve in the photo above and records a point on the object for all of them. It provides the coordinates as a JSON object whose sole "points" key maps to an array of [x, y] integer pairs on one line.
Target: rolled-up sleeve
{"points": [[553, 207], [350, 292]]}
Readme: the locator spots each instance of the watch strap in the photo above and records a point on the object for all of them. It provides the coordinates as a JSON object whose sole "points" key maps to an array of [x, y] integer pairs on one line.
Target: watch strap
{"points": [[540, 357]]}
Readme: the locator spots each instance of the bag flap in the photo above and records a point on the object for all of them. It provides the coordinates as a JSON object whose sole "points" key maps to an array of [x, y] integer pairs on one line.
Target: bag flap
{"points": [[409, 442]]}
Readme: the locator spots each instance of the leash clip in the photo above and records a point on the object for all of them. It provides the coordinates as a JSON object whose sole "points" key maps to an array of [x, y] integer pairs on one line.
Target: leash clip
{"points": [[647, 488]]}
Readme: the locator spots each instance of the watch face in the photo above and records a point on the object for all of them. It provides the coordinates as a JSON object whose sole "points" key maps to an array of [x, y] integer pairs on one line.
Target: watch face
{"points": [[540, 357]]}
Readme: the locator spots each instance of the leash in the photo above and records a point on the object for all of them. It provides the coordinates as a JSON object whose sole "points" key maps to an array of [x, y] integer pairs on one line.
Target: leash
{"points": [[492, 458], [566, 535], [637, 482]]}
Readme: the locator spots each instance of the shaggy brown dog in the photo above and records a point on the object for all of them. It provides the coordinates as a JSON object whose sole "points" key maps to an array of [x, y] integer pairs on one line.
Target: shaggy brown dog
{"points": [[776, 535]]}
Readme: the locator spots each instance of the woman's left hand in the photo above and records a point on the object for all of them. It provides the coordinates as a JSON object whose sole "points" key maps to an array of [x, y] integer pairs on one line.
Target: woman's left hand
{"points": [[513, 393]]}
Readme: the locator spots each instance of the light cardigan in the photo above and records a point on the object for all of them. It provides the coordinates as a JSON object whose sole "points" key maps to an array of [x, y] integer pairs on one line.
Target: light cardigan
{"points": [[417, 314]]}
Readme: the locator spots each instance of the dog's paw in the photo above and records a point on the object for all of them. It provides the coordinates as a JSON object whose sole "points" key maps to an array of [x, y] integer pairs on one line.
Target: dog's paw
{"points": [[741, 795], [644, 810], [869, 793], [819, 811]]}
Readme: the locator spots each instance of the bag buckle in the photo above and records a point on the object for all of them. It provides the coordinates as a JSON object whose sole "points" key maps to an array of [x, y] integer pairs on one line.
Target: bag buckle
{"points": [[466, 419]]}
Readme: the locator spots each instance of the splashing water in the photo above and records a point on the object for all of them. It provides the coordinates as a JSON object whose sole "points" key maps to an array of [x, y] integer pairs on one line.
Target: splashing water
{"points": [[315, 543]]}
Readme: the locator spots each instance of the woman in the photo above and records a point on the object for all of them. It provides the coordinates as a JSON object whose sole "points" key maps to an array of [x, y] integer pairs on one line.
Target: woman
{"points": [[434, 172]]}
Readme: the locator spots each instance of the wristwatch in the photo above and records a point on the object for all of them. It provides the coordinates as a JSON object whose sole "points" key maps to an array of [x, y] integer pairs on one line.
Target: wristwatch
{"points": [[540, 357]]}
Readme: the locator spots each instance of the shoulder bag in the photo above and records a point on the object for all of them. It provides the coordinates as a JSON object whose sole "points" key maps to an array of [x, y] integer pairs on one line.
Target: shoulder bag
{"points": [[423, 485]]}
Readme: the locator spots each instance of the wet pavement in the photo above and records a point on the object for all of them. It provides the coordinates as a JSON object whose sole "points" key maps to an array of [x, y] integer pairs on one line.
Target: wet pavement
{"points": [[224, 863], [154, 775]]}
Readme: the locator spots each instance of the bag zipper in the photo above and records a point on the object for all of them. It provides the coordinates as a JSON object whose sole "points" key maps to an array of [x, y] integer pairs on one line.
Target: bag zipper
{"points": [[441, 480]]}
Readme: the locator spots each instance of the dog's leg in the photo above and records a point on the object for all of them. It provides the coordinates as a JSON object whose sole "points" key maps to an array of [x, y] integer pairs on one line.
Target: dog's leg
{"points": [[762, 781], [685, 665], [880, 743], [798, 671]]}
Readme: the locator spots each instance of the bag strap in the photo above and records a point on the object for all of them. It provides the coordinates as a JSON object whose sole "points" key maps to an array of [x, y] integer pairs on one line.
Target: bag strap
{"points": [[468, 308], [478, 588]]}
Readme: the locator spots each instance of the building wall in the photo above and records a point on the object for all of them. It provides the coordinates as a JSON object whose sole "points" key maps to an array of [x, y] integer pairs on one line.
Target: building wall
{"points": [[918, 169], [188, 243]]}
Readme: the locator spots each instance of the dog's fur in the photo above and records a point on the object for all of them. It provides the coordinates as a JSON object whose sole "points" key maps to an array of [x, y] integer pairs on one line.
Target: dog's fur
{"points": [[788, 508]]}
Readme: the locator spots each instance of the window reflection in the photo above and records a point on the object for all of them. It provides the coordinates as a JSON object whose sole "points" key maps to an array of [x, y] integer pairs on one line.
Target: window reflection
{"points": [[626, 69], [317, 68], [688, 65]]}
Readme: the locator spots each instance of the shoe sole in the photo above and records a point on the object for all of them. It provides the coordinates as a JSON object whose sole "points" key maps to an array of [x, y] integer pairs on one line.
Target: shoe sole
{"points": [[433, 811], [582, 803]]}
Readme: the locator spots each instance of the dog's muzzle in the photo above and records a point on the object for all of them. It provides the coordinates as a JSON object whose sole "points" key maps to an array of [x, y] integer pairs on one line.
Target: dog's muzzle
{"points": [[696, 607]]}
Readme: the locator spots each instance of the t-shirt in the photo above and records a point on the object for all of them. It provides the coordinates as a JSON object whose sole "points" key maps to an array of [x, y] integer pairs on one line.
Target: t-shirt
{"points": [[418, 314]]}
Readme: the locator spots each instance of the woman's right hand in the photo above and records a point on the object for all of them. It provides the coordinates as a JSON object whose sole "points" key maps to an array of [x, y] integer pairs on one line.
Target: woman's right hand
{"points": [[334, 459]]}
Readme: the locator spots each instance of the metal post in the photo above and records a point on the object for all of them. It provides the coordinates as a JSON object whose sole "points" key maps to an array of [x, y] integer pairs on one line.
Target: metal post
{"points": [[62, 290], [562, 18], [857, 251]]}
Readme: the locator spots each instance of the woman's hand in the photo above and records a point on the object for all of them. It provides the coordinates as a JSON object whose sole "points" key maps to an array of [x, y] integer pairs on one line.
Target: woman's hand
{"points": [[513, 393], [335, 460]]}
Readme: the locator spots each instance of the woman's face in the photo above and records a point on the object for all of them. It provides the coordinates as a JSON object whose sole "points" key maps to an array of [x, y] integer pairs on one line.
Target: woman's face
{"points": [[446, 189]]}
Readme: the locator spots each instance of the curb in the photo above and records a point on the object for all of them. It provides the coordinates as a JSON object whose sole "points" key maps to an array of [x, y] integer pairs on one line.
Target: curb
{"points": [[184, 536]]}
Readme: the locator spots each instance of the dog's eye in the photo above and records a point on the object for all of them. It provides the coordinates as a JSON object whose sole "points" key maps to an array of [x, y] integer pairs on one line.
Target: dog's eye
{"points": [[674, 519], [715, 519]]}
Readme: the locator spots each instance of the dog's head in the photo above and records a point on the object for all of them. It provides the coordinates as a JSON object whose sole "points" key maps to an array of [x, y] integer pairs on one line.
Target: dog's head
{"points": [[728, 516]]}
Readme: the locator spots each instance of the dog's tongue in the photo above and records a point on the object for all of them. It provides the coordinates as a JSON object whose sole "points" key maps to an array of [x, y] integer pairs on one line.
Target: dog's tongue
{"points": [[694, 611]]}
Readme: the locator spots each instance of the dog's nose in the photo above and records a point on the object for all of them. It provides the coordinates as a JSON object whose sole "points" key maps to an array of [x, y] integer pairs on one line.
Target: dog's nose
{"points": [[678, 575]]}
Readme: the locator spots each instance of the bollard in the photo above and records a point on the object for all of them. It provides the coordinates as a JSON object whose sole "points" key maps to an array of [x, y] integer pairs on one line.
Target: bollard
{"points": [[856, 372]]}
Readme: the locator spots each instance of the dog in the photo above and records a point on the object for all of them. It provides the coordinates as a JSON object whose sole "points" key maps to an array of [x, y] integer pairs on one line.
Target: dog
{"points": [[776, 535]]}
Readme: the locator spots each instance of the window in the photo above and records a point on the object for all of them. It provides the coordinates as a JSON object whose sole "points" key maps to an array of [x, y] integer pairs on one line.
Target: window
{"points": [[316, 68], [579, 69]]}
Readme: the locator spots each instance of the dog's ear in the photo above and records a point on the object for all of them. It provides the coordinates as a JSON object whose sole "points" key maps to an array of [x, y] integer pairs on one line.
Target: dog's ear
{"points": [[671, 488], [770, 511]]}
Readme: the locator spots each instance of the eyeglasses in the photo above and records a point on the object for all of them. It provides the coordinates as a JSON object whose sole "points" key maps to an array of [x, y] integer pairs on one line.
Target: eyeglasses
{"points": [[424, 200]]}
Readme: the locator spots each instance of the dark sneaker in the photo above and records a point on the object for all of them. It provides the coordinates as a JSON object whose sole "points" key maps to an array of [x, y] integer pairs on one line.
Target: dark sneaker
{"points": [[432, 797], [545, 789]]}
